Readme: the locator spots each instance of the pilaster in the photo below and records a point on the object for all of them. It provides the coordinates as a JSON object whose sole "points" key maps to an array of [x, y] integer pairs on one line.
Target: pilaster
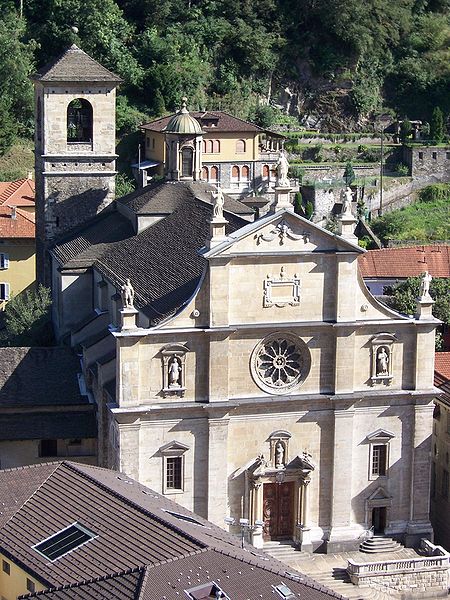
{"points": [[218, 367], [127, 372], [129, 450], [217, 469]]}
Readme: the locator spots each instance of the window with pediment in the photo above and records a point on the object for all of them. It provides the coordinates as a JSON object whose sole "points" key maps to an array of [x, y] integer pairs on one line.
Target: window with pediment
{"points": [[173, 470], [379, 446]]}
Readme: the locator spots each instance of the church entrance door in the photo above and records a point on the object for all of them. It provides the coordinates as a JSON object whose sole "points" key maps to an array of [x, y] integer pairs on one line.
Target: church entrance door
{"points": [[379, 520], [278, 510]]}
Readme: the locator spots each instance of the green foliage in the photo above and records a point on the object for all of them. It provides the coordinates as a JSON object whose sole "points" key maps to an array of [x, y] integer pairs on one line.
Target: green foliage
{"points": [[402, 169], [438, 192], [124, 185], [128, 118], [296, 172], [404, 295], [437, 127], [349, 174], [423, 221], [298, 203], [265, 116], [27, 318], [309, 209], [405, 130]]}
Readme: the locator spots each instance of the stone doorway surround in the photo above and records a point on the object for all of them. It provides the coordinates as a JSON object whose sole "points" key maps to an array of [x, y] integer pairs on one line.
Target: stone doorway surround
{"points": [[261, 472]]}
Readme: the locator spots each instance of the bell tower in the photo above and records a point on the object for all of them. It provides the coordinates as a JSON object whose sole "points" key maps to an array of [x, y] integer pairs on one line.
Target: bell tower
{"points": [[75, 159]]}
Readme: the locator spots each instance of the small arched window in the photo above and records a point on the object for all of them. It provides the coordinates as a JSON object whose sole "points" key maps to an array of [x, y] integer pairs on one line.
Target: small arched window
{"points": [[187, 162], [266, 171], [79, 121], [205, 175], [204, 146], [245, 173], [235, 172], [214, 174], [216, 146], [240, 146]]}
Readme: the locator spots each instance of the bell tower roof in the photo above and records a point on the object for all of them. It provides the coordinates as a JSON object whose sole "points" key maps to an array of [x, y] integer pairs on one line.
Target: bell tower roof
{"points": [[183, 122], [74, 65]]}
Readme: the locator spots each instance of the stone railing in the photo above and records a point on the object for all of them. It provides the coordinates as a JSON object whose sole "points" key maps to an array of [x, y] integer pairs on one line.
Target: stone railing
{"points": [[421, 577]]}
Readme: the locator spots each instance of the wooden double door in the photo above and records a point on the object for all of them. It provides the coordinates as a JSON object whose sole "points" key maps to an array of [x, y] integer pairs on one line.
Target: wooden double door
{"points": [[278, 510]]}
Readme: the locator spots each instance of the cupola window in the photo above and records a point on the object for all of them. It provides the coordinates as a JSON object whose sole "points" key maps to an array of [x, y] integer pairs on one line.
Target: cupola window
{"points": [[187, 156]]}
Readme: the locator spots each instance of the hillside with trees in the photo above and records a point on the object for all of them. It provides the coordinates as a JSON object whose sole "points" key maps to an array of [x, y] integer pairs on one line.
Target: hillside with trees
{"points": [[341, 62]]}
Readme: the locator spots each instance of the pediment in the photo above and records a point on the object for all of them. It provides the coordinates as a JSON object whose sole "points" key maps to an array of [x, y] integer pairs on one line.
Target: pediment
{"points": [[281, 233], [379, 494], [381, 435], [173, 447]]}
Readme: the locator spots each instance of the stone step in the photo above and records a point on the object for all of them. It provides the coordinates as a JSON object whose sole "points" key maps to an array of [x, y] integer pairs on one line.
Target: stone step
{"points": [[379, 544]]}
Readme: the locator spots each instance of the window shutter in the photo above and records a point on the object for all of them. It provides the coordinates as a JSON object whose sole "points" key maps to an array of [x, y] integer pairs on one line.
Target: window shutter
{"points": [[5, 261], [4, 291]]}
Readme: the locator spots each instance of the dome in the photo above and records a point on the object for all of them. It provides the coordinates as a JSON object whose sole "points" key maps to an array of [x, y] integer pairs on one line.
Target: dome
{"points": [[182, 122]]}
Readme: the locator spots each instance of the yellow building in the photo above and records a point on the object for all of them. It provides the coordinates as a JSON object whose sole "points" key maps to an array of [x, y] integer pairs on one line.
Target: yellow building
{"points": [[234, 153], [17, 252]]}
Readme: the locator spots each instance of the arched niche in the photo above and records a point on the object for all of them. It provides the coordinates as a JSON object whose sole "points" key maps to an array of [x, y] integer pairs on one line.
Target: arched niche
{"points": [[79, 121]]}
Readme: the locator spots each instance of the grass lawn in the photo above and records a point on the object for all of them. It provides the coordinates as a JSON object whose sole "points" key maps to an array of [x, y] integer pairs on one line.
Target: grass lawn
{"points": [[18, 161]]}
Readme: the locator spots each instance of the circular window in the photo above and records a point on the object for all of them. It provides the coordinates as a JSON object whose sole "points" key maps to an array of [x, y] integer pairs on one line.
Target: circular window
{"points": [[280, 363]]}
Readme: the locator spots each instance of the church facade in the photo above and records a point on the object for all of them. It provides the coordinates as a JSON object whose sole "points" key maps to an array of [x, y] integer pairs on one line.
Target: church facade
{"points": [[242, 368]]}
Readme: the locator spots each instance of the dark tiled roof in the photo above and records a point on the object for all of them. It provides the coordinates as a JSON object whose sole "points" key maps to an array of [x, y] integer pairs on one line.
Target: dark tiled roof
{"points": [[164, 197], [39, 377], [406, 262], [48, 425], [141, 551], [162, 261], [223, 122], [84, 244], [75, 65], [442, 374]]}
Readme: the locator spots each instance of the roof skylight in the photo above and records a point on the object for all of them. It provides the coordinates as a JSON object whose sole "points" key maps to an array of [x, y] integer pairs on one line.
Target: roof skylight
{"points": [[64, 541], [183, 517]]}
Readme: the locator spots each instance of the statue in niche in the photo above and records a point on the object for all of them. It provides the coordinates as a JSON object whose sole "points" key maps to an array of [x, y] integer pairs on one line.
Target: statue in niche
{"points": [[282, 170], [279, 455], [382, 362], [174, 372], [127, 294], [219, 202], [347, 202], [425, 286]]}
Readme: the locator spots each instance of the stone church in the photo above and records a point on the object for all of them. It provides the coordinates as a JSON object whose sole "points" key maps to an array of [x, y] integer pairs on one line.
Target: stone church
{"points": [[241, 367]]}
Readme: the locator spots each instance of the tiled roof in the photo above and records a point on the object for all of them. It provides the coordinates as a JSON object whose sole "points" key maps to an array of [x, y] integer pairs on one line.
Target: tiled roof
{"points": [[162, 261], [405, 262], [442, 366], [16, 223], [32, 377], [223, 122], [75, 65], [140, 550], [17, 193]]}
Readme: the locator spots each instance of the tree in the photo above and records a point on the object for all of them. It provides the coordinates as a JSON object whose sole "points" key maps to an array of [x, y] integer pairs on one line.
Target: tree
{"points": [[298, 204], [437, 127], [405, 130], [27, 318], [403, 297], [349, 174]]}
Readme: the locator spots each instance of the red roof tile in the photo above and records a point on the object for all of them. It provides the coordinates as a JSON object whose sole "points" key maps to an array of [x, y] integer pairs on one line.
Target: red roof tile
{"points": [[442, 365], [22, 226], [17, 193], [406, 262]]}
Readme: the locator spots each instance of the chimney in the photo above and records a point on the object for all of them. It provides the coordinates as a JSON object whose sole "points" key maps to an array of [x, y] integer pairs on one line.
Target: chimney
{"points": [[30, 175], [13, 212]]}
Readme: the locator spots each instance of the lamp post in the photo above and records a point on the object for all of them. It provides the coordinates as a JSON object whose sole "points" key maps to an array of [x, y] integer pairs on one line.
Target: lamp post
{"points": [[244, 525]]}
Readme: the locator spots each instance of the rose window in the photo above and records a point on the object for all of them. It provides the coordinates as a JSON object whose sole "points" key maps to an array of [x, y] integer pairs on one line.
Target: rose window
{"points": [[279, 363]]}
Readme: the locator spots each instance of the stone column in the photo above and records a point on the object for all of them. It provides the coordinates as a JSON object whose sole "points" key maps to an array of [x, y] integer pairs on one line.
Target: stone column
{"points": [[342, 533], [306, 529], [419, 523], [217, 470]]}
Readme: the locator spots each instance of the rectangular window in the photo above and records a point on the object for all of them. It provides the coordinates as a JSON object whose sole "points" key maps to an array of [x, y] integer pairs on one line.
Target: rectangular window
{"points": [[4, 291], [48, 448], [379, 456], [174, 473], [4, 260], [434, 155], [6, 567], [444, 490], [31, 587], [420, 155], [447, 155]]}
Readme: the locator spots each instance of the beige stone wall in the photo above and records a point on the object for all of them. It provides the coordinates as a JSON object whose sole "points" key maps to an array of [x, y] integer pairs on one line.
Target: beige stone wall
{"points": [[440, 452]]}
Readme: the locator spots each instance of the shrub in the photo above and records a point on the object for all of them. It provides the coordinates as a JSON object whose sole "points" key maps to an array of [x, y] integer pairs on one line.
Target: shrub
{"points": [[437, 192], [437, 127], [27, 318]]}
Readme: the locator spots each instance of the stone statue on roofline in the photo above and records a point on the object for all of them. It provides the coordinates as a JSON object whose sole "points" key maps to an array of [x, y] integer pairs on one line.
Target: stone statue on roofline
{"points": [[282, 170], [347, 202], [127, 294], [425, 286], [219, 201]]}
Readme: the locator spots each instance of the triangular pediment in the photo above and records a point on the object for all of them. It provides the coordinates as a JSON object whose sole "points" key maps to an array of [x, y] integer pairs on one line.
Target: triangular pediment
{"points": [[279, 233], [173, 447], [381, 435], [379, 494]]}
